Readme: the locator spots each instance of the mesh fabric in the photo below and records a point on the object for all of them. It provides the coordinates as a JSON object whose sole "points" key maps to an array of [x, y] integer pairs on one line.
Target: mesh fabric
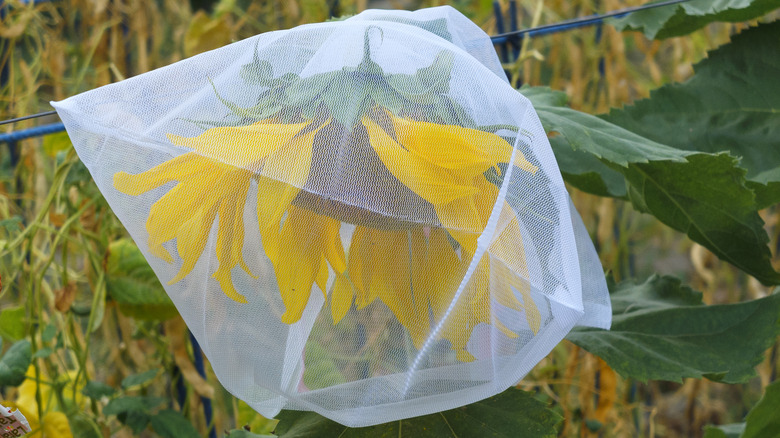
{"points": [[360, 218]]}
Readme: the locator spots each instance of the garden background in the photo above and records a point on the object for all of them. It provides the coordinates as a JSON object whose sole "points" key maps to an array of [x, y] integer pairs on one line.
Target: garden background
{"points": [[689, 233]]}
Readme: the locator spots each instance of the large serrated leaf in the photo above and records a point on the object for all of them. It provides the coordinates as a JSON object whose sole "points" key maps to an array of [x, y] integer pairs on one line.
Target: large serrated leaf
{"points": [[707, 199], [133, 284], [732, 104], [661, 331], [598, 137], [703, 195], [512, 413], [682, 19]]}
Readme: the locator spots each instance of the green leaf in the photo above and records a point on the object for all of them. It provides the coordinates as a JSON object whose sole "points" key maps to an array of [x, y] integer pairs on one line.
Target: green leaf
{"points": [[661, 331], [598, 137], [512, 413], [579, 167], [241, 433], [321, 370], [12, 224], [762, 420], [49, 333], [130, 403], [14, 363], [586, 172], [732, 104], [427, 85], [43, 352], [172, 424], [84, 427], [139, 379], [135, 420], [682, 19], [707, 199], [97, 390], [12, 323], [703, 195], [134, 285], [726, 431]]}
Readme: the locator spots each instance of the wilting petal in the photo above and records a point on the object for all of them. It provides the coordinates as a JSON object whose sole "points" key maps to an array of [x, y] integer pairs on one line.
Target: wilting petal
{"points": [[291, 161], [166, 215], [469, 151], [432, 183], [273, 198], [241, 146]]}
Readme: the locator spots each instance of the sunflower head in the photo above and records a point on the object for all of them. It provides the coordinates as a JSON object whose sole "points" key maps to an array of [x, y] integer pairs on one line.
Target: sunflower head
{"points": [[370, 204]]}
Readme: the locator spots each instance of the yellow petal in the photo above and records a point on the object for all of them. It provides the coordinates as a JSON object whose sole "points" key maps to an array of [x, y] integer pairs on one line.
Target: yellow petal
{"points": [[168, 212], [175, 169], [506, 296], [432, 183], [510, 263], [191, 238], [443, 271], [334, 250], [291, 162], [469, 151], [466, 218], [230, 237], [225, 279], [461, 219], [273, 198], [298, 264], [508, 244], [359, 258], [322, 277], [472, 308], [241, 146], [341, 297], [283, 175], [392, 279]]}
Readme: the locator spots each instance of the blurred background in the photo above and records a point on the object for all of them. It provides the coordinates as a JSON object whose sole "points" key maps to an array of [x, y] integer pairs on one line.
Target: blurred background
{"points": [[108, 315]]}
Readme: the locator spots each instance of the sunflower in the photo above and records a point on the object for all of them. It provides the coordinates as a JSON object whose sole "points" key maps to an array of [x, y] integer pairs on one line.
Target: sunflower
{"points": [[412, 267]]}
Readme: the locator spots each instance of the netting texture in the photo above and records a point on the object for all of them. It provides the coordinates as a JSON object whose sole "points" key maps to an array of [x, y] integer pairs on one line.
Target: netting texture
{"points": [[360, 218]]}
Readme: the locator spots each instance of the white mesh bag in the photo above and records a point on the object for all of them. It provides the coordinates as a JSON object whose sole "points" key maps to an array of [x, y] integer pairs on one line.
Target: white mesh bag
{"points": [[360, 218]]}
